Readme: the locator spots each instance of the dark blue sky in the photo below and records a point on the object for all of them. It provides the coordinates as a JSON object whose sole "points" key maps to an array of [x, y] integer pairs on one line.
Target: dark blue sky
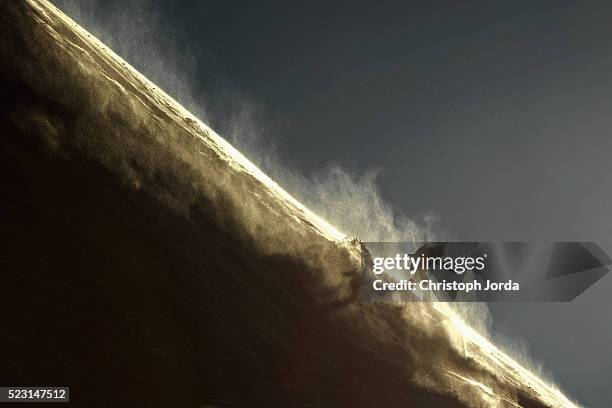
{"points": [[493, 115]]}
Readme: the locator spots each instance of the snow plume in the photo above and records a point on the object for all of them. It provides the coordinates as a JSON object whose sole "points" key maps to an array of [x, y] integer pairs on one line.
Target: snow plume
{"points": [[352, 202]]}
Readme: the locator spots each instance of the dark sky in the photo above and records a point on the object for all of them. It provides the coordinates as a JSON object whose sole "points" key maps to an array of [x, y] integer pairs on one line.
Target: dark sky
{"points": [[493, 115]]}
